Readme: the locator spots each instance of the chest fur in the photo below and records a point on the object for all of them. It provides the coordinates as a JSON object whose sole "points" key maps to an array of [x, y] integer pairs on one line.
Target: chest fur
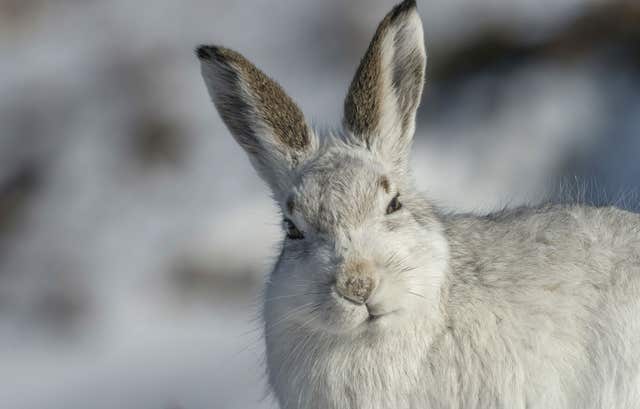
{"points": [[450, 371]]}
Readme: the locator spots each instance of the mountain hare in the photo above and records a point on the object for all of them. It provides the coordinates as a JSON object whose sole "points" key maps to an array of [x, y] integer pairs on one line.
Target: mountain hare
{"points": [[379, 300]]}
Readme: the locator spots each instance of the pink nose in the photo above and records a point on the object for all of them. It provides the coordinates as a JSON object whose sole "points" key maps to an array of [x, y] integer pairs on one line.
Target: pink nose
{"points": [[355, 288]]}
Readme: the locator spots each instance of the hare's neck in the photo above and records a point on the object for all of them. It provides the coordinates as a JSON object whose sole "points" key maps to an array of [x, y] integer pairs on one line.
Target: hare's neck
{"points": [[369, 371]]}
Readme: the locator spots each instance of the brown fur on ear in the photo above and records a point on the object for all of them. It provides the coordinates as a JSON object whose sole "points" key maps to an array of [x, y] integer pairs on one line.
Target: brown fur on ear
{"points": [[272, 106], [374, 80]]}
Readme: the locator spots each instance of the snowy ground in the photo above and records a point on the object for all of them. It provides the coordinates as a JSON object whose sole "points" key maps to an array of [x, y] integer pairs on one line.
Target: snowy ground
{"points": [[130, 270]]}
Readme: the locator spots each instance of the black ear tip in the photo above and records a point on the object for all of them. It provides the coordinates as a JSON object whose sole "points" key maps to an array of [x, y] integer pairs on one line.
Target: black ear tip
{"points": [[405, 6], [206, 52]]}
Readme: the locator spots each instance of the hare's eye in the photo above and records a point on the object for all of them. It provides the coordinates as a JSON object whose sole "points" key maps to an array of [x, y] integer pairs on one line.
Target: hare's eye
{"points": [[292, 231], [394, 205]]}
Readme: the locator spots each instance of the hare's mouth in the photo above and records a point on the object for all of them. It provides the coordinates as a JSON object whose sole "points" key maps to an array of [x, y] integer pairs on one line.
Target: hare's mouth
{"points": [[375, 315]]}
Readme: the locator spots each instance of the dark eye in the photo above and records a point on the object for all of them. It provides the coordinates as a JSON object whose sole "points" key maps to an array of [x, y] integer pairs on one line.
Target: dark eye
{"points": [[394, 205], [292, 231]]}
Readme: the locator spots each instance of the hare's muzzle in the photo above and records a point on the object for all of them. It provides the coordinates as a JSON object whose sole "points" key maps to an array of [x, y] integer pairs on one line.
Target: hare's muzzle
{"points": [[356, 282]]}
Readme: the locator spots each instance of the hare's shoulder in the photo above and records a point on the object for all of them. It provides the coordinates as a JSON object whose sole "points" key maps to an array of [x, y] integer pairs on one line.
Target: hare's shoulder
{"points": [[548, 225], [569, 242], [558, 260], [563, 278]]}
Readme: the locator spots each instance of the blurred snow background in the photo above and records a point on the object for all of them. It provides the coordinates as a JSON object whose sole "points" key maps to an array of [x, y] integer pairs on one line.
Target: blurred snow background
{"points": [[134, 236]]}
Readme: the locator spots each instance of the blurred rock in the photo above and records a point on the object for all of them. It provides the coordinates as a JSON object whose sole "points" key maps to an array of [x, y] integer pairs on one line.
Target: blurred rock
{"points": [[63, 306], [15, 194], [158, 141], [201, 280]]}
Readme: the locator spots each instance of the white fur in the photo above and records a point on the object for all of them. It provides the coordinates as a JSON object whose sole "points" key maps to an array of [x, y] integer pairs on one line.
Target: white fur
{"points": [[529, 308], [544, 324]]}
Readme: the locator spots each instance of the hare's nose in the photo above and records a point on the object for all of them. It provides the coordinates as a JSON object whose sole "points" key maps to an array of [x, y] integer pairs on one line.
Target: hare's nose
{"points": [[357, 289]]}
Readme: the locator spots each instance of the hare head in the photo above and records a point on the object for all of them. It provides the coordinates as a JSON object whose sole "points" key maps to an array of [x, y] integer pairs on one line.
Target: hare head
{"points": [[362, 251]]}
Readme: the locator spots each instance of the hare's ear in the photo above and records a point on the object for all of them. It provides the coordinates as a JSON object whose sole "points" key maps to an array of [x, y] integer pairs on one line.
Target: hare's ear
{"points": [[380, 108], [261, 117]]}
